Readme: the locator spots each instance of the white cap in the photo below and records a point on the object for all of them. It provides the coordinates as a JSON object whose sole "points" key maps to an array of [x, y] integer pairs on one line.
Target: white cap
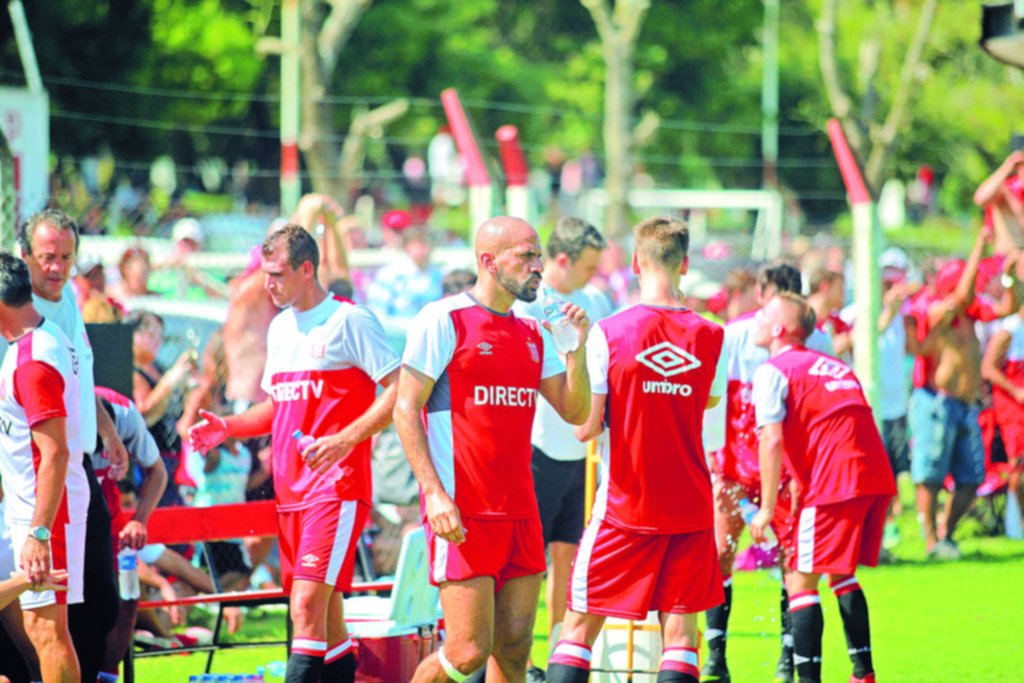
{"points": [[188, 229], [698, 285], [894, 257]]}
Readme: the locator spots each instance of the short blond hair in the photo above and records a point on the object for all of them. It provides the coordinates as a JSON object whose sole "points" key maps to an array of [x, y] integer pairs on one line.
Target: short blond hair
{"points": [[806, 317], [663, 240]]}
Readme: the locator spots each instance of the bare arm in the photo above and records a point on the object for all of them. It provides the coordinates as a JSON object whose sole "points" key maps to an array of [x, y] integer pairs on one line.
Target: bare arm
{"points": [[770, 461], [112, 444], [569, 394], [256, 421], [50, 439], [326, 451], [991, 186], [414, 388], [992, 363], [594, 424]]}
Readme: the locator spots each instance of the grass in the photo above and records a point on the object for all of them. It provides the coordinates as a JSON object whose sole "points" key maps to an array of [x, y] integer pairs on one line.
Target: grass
{"points": [[931, 622]]}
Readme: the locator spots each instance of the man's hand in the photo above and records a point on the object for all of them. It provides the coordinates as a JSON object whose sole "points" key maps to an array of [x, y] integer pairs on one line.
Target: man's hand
{"points": [[326, 452], [133, 535], [35, 562], [759, 525], [444, 518], [56, 580], [208, 433]]}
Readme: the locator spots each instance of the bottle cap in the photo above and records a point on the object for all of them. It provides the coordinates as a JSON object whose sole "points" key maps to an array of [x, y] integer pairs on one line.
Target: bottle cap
{"points": [[297, 434]]}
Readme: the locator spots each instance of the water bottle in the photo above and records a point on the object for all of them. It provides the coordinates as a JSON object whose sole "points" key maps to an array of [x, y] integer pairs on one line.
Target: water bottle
{"points": [[128, 574], [747, 512], [566, 339], [302, 441]]}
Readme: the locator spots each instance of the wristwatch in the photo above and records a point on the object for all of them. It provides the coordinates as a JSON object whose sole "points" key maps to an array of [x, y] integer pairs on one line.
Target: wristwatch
{"points": [[1007, 280], [40, 533]]}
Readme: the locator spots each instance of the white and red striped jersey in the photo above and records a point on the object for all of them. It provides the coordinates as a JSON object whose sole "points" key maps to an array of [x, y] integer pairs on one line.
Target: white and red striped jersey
{"points": [[1006, 406], [322, 370], [39, 382], [657, 366], [737, 461], [831, 443], [487, 368]]}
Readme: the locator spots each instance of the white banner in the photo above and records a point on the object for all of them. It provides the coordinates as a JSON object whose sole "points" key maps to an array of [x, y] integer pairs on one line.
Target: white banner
{"points": [[25, 120]]}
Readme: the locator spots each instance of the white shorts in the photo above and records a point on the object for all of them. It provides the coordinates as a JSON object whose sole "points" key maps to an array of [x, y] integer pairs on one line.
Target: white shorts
{"points": [[6, 552], [67, 551]]}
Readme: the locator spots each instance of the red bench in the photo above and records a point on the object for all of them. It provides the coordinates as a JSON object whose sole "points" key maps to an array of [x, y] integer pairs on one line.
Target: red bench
{"points": [[185, 525]]}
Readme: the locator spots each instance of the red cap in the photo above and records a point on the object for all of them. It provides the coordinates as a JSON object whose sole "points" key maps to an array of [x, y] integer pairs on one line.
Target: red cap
{"points": [[396, 220]]}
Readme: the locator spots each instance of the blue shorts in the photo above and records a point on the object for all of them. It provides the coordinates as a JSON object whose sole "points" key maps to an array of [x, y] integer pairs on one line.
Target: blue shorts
{"points": [[946, 440]]}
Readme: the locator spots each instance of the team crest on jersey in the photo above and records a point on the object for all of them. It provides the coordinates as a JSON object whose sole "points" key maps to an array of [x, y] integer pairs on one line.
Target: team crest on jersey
{"points": [[318, 350], [826, 367], [534, 351], [485, 349], [667, 359]]}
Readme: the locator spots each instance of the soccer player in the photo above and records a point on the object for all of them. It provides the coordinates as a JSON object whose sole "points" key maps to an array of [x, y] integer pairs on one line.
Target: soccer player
{"points": [[470, 377], [46, 492], [735, 467], [559, 469], [811, 412], [650, 545], [325, 359]]}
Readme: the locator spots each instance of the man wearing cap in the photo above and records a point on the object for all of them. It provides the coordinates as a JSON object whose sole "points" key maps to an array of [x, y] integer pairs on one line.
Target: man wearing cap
{"points": [[177, 279], [944, 406]]}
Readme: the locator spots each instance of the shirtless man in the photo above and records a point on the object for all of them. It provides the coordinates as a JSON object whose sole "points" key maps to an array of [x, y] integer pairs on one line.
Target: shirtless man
{"points": [[944, 406]]}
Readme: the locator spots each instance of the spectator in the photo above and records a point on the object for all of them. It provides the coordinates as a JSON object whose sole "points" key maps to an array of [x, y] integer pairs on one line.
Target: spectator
{"points": [[1001, 195], [457, 282], [90, 284], [741, 291], [135, 268], [177, 279], [158, 394], [827, 294], [407, 284]]}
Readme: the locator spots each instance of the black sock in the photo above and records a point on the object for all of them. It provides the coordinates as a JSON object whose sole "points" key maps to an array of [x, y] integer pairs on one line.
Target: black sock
{"points": [[569, 663], [853, 607], [718, 625], [785, 624], [340, 669], [674, 677], [807, 624], [303, 668]]}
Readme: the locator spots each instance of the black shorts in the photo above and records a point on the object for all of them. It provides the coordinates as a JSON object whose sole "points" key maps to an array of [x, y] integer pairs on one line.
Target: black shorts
{"points": [[894, 436], [561, 487]]}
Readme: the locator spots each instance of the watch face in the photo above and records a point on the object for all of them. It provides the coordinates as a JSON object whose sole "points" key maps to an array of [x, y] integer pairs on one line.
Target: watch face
{"points": [[40, 533]]}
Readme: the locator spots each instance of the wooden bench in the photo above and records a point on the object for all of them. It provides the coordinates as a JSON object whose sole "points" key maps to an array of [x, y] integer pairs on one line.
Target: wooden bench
{"points": [[187, 525]]}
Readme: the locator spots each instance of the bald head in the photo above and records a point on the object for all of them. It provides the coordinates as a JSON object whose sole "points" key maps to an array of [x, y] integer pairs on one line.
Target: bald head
{"points": [[508, 258]]}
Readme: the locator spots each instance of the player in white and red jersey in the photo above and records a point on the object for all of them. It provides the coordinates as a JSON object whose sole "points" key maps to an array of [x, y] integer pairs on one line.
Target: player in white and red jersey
{"points": [[46, 492], [1003, 366], [735, 467], [654, 369], [812, 413], [325, 358], [471, 373]]}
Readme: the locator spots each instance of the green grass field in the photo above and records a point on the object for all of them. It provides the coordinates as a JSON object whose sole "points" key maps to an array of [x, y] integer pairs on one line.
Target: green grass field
{"points": [[931, 622]]}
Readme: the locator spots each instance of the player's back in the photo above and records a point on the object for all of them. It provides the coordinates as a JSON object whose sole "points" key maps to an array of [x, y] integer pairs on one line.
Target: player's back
{"points": [[29, 391], [831, 440], [661, 364]]}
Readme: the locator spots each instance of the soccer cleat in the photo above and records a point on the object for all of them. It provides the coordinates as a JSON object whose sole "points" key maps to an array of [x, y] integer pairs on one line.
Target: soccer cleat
{"points": [[945, 550], [784, 671], [868, 678], [715, 672]]}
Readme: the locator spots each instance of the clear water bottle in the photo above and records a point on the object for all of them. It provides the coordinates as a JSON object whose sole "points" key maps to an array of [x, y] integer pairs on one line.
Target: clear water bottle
{"points": [[128, 574], [747, 512], [302, 441], [566, 339]]}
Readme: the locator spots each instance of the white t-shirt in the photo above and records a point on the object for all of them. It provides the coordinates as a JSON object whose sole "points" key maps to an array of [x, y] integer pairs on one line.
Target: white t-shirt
{"points": [[68, 318], [551, 433]]}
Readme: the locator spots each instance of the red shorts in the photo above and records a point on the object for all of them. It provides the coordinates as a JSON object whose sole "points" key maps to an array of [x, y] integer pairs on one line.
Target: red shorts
{"points": [[619, 573], [502, 548], [318, 543], [1012, 432], [835, 538]]}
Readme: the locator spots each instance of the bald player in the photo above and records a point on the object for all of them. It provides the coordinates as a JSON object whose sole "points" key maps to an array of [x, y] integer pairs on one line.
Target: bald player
{"points": [[811, 412], [466, 398]]}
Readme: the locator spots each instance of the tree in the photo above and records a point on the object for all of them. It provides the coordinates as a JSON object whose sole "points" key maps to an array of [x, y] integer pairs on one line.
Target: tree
{"points": [[618, 30], [871, 132]]}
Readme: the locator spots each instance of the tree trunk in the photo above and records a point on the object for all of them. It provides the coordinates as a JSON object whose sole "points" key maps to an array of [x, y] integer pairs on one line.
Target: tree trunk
{"points": [[317, 139], [618, 134]]}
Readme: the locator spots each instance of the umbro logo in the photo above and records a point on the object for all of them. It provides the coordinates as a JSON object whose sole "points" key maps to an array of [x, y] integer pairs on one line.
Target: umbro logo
{"points": [[485, 349], [310, 560], [667, 359]]}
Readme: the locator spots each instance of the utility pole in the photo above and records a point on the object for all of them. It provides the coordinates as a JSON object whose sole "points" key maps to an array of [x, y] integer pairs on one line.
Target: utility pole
{"points": [[770, 95]]}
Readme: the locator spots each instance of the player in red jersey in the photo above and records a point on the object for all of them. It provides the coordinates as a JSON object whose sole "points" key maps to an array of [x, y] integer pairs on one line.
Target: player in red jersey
{"points": [[468, 389], [811, 412], [735, 468], [650, 544], [325, 358]]}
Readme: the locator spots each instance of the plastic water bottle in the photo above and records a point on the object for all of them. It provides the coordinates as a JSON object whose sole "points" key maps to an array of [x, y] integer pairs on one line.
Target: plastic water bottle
{"points": [[747, 512], [128, 574], [302, 441], [566, 339]]}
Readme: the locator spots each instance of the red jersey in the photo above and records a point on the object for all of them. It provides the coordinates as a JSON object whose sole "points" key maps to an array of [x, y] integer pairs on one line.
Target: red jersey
{"points": [[322, 370], [487, 367], [1006, 406], [738, 459], [658, 366], [832, 445]]}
